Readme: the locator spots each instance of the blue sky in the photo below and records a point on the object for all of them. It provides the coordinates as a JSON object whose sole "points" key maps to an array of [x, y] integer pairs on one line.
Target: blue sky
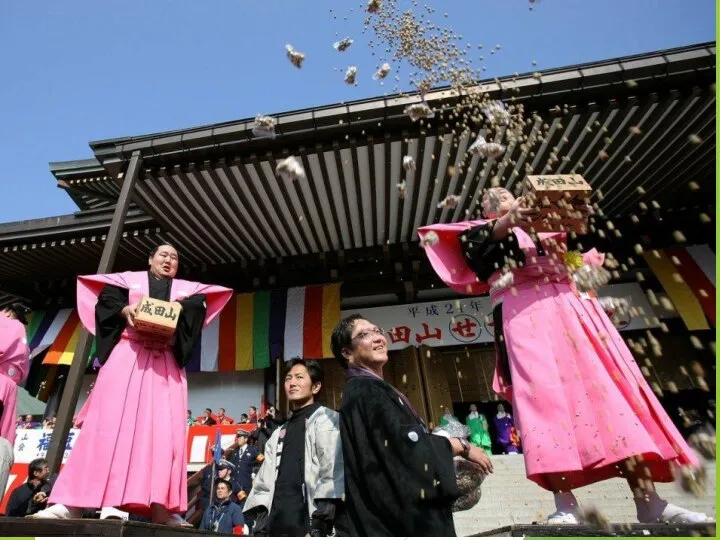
{"points": [[80, 70]]}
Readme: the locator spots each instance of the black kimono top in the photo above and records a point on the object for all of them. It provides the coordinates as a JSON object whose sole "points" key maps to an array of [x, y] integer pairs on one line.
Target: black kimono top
{"points": [[109, 324], [485, 256]]}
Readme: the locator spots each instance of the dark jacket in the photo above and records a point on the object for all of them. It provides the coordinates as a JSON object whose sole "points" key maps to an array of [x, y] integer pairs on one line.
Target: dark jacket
{"points": [[20, 503], [244, 464], [206, 485], [399, 479], [222, 517]]}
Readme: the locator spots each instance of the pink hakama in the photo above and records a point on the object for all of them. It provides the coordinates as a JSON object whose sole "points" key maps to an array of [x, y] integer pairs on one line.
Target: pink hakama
{"points": [[14, 365], [131, 451], [582, 405]]}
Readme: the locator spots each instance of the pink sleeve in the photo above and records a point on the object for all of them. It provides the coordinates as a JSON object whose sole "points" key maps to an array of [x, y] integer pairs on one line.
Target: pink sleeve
{"points": [[88, 291], [215, 297], [593, 257], [89, 288], [447, 259], [14, 351]]}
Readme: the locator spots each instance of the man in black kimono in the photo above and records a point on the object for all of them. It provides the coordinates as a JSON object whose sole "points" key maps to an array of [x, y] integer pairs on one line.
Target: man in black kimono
{"points": [[399, 478]]}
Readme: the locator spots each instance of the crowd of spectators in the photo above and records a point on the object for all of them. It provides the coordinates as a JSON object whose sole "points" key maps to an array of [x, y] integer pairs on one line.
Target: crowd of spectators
{"points": [[30, 422], [210, 418]]}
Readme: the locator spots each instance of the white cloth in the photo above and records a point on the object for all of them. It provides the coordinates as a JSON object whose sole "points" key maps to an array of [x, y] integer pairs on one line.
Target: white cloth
{"points": [[241, 451], [7, 458]]}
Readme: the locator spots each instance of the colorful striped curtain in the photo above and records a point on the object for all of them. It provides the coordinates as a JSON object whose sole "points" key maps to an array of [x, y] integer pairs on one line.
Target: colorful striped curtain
{"points": [[688, 277], [58, 330], [254, 328], [312, 313]]}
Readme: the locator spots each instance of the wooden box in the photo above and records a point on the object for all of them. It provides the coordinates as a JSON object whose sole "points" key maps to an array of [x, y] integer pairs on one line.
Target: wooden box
{"points": [[550, 188], [551, 224], [554, 196], [157, 317]]}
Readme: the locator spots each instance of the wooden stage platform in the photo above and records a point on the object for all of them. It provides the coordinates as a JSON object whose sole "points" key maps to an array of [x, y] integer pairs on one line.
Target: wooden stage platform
{"points": [[617, 529], [91, 527], [115, 527]]}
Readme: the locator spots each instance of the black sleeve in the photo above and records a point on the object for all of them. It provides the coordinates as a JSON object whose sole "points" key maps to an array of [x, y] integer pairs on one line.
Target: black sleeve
{"points": [[323, 517], [34, 508], [206, 480], [598, 236], [485, 255], [19, 502], [189, 328], [258, 520], [108, 324]]}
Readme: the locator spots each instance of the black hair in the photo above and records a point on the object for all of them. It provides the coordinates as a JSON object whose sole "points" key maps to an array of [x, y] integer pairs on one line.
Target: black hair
{"points": [[36, 466], [227, 484], [342, 337], [208, 410], [253, 407], [313, 367], [154, 250], [20, 310]]}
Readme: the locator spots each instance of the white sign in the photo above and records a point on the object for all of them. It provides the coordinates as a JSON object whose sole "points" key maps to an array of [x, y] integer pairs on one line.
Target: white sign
{"points": [[469, 320], [34, 443]]}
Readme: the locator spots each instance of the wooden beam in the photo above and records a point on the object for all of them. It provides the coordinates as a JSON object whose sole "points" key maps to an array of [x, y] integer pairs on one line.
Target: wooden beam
{"points": [[69, 399]]}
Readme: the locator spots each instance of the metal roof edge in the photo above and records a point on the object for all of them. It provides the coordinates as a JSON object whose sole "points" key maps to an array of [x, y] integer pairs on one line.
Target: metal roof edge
{"points": [[200, 135], [80, 221], [75, 167]]}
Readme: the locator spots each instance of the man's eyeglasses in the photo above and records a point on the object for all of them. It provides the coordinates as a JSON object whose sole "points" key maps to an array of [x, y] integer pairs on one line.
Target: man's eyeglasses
{"points": [[368, 333]]}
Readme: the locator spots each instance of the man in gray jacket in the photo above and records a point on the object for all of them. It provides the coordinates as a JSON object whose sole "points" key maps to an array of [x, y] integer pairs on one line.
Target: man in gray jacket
{"points": [[299, 488]]}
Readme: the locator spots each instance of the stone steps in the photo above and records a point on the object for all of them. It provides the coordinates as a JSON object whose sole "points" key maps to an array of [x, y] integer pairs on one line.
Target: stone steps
{"points": [[509, 498]]}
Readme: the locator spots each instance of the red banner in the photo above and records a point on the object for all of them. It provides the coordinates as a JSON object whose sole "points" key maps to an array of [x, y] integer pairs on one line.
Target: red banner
{"points": [[201, 439], [18, 476]]}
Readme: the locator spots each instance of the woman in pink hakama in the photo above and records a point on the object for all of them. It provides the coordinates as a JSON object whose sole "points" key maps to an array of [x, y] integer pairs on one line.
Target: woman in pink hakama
{"points": [[131, 450], [14, 365], [582, 406]]}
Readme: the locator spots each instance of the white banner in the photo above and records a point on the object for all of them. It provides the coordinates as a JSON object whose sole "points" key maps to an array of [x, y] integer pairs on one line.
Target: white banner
{"points": [[469, 320], [35, 443]]}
